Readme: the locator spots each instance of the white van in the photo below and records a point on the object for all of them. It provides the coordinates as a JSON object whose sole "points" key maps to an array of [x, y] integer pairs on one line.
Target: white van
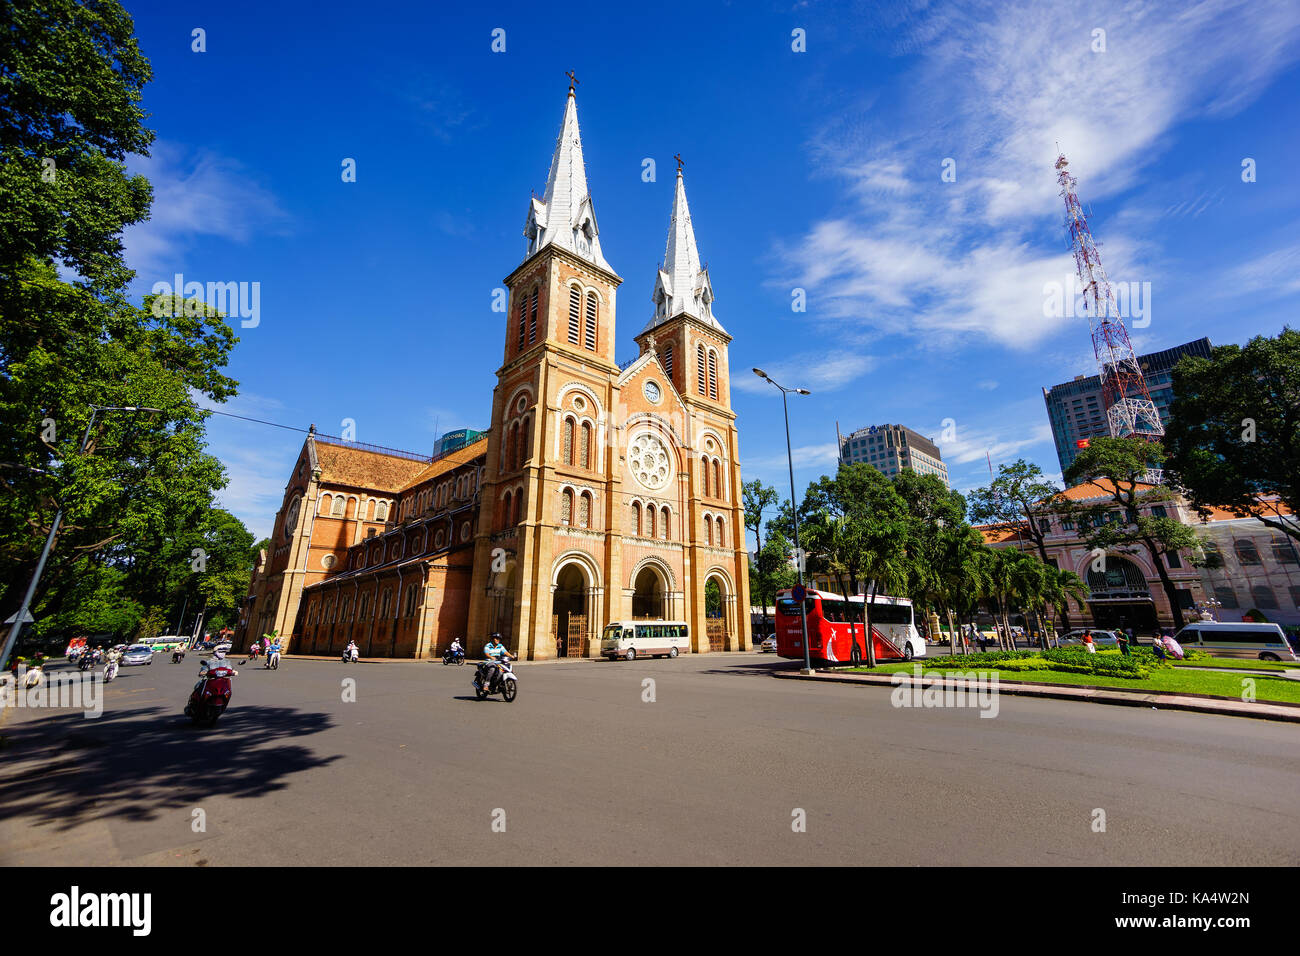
{"points": [[1266, 642], [633, 639]]}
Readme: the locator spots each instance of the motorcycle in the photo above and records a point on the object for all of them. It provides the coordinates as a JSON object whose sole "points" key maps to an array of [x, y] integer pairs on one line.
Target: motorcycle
{"points": [[211, 695], [450, 656], [350, 655], [110, 671], [502, 680], [273, 661], [178, 656], [85, 662]]}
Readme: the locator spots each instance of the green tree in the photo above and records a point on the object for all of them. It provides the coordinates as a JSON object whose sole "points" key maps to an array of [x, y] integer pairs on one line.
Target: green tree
{"points": [[1118, 468], [1234, 435], [71, 75]]}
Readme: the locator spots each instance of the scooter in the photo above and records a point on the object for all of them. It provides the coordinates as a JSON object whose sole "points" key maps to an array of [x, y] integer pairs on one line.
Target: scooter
{"points": [[273, 661], [86, 661], [211, 695], [502, 681], [110, 671], [450, 656], [178, 656], [350, 655]]}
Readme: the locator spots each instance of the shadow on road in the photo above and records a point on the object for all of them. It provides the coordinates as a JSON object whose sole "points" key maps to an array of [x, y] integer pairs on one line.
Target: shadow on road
{"points": [[137, 764]]}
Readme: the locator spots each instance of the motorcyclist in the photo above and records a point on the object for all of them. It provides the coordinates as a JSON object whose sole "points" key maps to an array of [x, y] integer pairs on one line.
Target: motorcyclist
{"points": [[456, 649], [272, 650], [254, 651], [353, 651], [494, 652]]}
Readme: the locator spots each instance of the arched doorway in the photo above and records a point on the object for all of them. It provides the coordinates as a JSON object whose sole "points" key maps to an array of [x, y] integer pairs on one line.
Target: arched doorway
{"points": [[715, 614], [1120, 596], [648, 595], [569, 611]]}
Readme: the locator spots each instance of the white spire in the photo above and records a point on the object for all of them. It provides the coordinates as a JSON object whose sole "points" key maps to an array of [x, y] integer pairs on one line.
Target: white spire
{"points": [[682, 286], [564, 215]]}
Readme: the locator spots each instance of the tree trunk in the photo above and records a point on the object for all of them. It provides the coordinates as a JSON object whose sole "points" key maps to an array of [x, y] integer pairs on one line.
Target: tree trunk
{"points": [[1171, 592], [870, 639], [952, 631]]}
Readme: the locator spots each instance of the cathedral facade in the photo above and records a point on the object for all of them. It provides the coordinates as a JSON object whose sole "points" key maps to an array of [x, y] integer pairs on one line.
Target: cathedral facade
{"points": [[598, 493]]}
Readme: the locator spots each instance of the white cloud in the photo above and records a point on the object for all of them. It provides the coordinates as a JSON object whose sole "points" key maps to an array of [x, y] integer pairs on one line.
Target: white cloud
{"points": [[817, 372], [941, 261], [195, 194]]}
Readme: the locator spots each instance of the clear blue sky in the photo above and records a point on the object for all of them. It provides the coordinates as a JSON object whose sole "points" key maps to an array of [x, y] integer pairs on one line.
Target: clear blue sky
{"points": [[818, 170]]}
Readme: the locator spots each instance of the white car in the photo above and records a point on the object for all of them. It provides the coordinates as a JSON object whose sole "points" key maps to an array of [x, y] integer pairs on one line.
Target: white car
{"points": [[768, 645], [1099, 637], [137, 654]]}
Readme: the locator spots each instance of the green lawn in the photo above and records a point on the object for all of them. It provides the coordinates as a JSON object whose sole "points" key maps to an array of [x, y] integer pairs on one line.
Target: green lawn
{"points": [[1179, 681], [1237, 663]]}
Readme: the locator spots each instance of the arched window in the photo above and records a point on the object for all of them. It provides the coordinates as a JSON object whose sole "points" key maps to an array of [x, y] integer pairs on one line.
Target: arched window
{"points": [[568, 441], [713, 375], [381, 511], [636, 517], [700, 370], [664, 530], [506, 509], [668, 359], [722, 538], [437, 539], [370, 510], [704, 476], [1263, 596], [650, 521], [708, 530], [519, 505], [512, 456], [1284, 551], [586, 445], [566, 507], [591, 321], [584, 511], [340, 504], [1246, 552], [532, 321], [526, 449], [1226, 596], [523, 318], [575, 316], [717, 478]]}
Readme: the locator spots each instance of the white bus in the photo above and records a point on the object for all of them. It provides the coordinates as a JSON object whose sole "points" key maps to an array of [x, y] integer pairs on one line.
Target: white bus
{"points": [[1265, 642], [633, 639]]}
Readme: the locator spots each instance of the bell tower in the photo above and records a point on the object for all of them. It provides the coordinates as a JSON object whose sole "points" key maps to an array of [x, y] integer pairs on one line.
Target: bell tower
{"points": [[546, 468]]}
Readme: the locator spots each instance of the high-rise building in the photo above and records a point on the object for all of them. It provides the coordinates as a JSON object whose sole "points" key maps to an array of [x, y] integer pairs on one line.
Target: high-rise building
{"points": [[1077, 410], [893, 448]]}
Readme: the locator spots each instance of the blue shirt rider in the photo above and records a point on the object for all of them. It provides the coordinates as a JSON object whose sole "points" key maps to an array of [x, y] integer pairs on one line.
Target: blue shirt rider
{"points": [[494, 650]]}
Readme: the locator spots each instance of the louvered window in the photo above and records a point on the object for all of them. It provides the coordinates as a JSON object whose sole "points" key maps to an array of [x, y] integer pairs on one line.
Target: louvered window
{"points": [[584, 510], [699, 364], [532, 321], [566, 507], [591, 321], [586, 445], [568, 441], [523, 317], [668, 360], [713, 375], [575, 316]]}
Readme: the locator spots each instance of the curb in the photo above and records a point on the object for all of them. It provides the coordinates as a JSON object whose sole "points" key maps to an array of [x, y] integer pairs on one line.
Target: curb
{"points": [[1289, 713]]}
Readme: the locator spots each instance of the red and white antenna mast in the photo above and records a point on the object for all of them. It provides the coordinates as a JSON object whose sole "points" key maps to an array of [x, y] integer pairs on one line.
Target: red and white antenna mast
{"points": [[1129, 408]]}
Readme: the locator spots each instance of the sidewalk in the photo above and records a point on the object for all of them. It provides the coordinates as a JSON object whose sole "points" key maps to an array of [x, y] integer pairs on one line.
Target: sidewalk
{"points": [[1096, 695]]}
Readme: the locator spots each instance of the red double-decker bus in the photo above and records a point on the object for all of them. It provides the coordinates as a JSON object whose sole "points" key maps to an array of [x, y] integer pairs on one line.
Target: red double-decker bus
{"points": [[837, 629]]}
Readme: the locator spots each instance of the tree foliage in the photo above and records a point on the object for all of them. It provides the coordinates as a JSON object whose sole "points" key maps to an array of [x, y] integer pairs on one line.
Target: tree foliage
{"points": [[1234, 436]]}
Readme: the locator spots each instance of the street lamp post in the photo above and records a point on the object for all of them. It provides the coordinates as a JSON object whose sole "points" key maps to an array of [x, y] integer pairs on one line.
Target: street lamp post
{"points": [[23, 611], [794, 511]]}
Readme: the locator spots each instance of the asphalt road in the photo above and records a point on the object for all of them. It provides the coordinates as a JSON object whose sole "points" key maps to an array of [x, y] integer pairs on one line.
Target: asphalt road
{"points": [[581, 770]]}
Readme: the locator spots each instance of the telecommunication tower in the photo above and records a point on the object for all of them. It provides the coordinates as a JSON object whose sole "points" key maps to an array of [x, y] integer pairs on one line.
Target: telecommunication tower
{"points": [[1129, 407]]}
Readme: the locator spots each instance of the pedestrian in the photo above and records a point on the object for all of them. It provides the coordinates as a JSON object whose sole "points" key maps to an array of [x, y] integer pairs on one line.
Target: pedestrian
{"points": [[1087, 642], [1158, 647], [1122, 638]]}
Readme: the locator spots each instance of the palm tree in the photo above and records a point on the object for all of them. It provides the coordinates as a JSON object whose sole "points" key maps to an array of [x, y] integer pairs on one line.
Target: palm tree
{"points": [[1063, 585]]}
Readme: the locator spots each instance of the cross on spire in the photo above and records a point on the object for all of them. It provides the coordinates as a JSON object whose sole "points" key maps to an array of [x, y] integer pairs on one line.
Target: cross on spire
{"points": [[680, 161], [573, 80]]}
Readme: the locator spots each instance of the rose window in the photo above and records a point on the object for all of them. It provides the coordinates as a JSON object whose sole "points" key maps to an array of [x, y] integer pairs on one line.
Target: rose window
{"points": [[649, 461]]}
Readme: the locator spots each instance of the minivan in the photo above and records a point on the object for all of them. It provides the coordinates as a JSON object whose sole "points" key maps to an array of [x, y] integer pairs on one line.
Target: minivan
{"points": [[633, 639], [1267, 642]]}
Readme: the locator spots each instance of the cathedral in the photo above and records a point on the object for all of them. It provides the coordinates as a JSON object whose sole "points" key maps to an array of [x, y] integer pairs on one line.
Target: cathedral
{"points": [[598, 492]]}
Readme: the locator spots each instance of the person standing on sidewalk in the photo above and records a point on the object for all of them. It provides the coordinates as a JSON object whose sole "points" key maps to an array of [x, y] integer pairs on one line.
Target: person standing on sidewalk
{"points": [[1122, 639]]}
